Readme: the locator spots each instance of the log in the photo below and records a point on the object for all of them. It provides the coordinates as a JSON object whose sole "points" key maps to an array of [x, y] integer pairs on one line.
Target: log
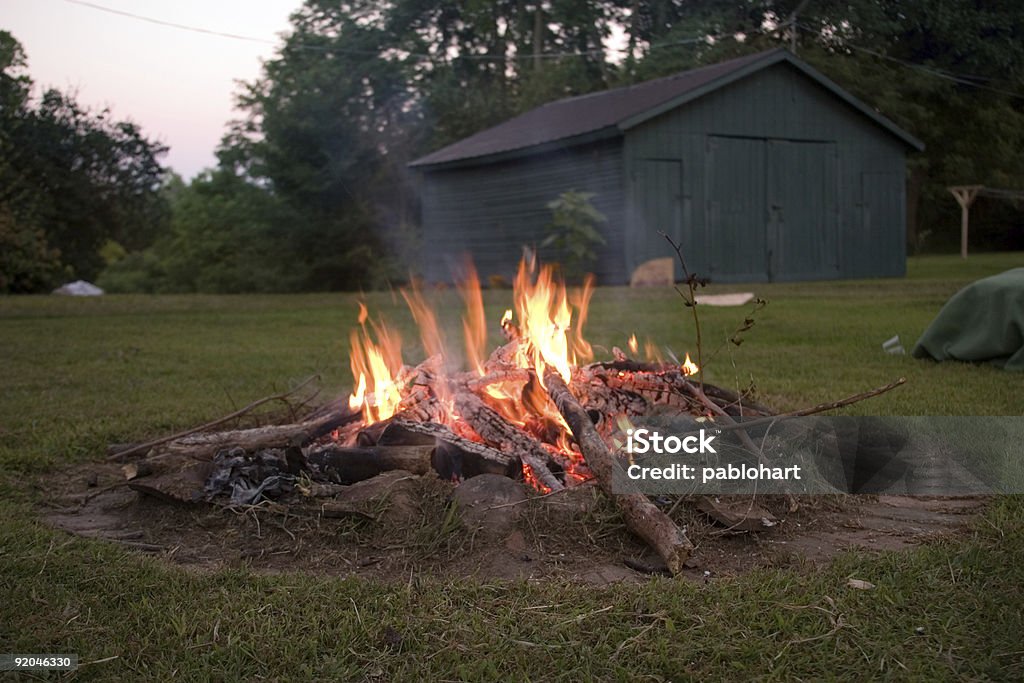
{"points": [[144, 448], [203, 446], [494, 430], [642, 517], [477, 458], [347, 465]]}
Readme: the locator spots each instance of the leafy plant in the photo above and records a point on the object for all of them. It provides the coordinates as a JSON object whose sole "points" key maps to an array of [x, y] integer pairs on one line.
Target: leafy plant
{"points": [[573, 232]]}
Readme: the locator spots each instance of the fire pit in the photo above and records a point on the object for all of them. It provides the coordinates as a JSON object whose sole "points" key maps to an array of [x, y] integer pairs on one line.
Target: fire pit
{"points": [[538, 408]]}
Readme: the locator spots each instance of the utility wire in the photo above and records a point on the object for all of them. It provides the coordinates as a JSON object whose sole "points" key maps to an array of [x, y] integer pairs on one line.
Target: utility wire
{"points": [[161, 22], [961, 79], [341, 50]]}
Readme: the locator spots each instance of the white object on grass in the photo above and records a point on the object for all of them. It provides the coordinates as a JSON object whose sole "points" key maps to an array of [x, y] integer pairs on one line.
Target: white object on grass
{"points": [[79, 288], [735, 299]]}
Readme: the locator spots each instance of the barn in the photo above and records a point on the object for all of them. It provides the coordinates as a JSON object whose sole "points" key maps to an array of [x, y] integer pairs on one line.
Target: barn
{"points": [[761, 167]]}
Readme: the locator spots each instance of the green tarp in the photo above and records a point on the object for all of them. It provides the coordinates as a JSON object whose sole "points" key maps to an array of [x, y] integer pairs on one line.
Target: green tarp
{"points": [[983, 322]]}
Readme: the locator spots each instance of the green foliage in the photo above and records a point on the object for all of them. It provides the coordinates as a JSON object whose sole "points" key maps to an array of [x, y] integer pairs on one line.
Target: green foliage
{"points": [[223, 238], [573, 232], [27, 262], [312, 189], [70, 179]]}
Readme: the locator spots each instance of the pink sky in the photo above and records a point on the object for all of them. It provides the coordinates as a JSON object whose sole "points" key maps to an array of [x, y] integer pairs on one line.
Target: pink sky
{"points": [[176, 84]]}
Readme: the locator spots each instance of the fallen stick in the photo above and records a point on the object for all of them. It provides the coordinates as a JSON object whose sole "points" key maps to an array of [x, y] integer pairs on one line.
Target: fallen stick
{"points": [[698, 393], [145, 447], [820, 408], [642, 517]]}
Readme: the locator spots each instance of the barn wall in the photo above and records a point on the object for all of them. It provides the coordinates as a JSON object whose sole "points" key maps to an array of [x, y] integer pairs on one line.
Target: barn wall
{"points": [[701, 143], [491, 211]]}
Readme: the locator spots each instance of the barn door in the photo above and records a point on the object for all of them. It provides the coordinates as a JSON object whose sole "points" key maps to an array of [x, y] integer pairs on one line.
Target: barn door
{"points": [[803, 231], [736, 208], [657, 205]]}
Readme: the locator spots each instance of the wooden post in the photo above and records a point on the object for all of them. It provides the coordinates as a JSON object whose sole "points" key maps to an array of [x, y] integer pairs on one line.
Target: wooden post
{"points": [[965, 196]]}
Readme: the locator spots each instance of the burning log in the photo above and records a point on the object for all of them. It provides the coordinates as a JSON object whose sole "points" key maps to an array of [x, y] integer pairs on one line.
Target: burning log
{"points": [[493, 429], [657, 384], [642, 517], [473, 457], [477, 458]]}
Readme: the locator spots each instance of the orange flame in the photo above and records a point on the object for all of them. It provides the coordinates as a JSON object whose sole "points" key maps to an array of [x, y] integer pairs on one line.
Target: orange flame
{"points": [[426, 321], [474, 326], [544, 321], [652, 353], [689, 367], [632, 343], [549, 332], [581, 300], [375, 366]]}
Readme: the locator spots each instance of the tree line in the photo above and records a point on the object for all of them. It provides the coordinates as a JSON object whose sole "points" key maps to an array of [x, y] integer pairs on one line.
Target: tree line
{"points": [[311, 189]]}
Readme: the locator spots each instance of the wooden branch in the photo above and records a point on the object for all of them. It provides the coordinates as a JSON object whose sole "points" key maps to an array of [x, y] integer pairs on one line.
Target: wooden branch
{"points": [[820, 408], [642, 517], [493, 429], [748, 443], [203, 446], [144, 448]]}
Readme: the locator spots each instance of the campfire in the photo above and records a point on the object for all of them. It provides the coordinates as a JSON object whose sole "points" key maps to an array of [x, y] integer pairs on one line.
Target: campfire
{"points": [[539, 408]]}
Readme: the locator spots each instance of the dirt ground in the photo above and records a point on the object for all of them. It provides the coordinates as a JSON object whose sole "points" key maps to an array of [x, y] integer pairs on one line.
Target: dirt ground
{"points": [[402, 525]]}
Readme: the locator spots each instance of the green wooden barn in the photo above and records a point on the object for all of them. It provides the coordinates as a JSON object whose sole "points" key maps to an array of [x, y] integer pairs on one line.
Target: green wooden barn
{"points": [[761, 167]]}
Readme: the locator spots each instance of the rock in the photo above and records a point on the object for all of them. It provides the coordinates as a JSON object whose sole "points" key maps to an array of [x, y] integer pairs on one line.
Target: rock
{"points": [[659, 272], [389, 496], [484, 502]]}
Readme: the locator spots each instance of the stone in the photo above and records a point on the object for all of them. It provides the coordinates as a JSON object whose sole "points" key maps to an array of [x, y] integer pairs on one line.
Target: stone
{"points": [[489, 503], [659, 272]]}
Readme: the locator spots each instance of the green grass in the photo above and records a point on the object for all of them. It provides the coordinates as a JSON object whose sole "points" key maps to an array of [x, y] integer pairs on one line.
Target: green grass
{"points": [[78, 374]]}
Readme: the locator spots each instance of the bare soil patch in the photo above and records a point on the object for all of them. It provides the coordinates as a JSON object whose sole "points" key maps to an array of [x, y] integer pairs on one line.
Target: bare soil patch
{"points": [[400, 525]]}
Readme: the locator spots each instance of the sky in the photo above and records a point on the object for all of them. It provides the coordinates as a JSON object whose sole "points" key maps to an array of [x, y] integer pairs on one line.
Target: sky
{"points": [[178, 85]]}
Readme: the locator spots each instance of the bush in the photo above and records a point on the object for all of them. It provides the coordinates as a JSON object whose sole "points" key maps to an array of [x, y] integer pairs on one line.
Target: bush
{"points": [[573, 233]]}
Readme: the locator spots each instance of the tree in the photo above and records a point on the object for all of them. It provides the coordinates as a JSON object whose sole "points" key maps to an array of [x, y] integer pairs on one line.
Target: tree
{"points": [[71, 179]]}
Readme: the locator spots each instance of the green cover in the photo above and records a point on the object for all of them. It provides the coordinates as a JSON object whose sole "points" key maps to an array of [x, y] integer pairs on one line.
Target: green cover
{"points": [[984, 321]]}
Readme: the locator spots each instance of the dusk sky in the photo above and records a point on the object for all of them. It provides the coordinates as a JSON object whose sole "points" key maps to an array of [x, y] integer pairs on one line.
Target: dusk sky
{"points": [[177, 85]]}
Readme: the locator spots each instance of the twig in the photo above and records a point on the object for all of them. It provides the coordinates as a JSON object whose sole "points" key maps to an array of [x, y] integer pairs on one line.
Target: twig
{"points": [[691, 302], [820, 408], [144, 447]]}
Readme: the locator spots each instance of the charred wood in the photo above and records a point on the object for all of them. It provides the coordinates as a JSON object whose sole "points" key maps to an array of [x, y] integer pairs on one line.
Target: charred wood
{"points": [[347, 465], [494, 430]]}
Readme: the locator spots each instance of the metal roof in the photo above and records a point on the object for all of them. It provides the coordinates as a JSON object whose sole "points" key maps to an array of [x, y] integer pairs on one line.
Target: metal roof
{"points": [[610, 112]]}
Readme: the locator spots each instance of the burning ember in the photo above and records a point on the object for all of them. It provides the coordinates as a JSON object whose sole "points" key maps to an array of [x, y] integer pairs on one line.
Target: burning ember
{"points": [[502, 401]]}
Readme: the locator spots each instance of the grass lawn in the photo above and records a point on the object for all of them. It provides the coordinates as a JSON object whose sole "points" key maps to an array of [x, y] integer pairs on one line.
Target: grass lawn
{"points": [[77, 374]]}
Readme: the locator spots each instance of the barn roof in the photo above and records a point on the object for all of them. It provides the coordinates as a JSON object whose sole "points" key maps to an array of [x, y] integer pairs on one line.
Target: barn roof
{"points": [[608, 113]]}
